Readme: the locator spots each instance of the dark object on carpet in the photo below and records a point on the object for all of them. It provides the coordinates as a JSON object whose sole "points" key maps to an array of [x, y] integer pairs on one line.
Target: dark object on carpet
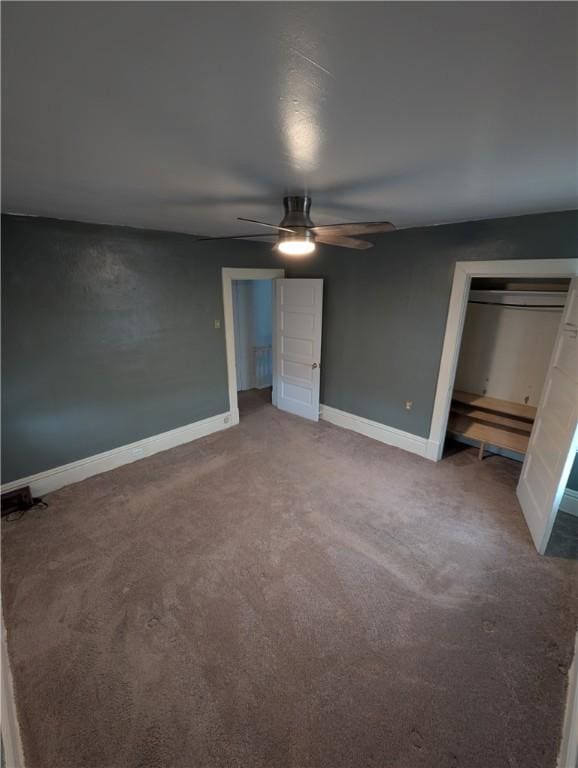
{"points": [[18, 500], [288, 595]]}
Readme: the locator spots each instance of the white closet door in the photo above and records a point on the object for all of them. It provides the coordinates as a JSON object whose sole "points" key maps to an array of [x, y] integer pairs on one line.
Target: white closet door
{"points": [[297, 353], [554, 437]]}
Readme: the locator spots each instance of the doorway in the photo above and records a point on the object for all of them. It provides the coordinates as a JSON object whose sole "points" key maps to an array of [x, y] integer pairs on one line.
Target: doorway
{"points": [[550, 442], [253, 313], [296, 340], [242, 300]]}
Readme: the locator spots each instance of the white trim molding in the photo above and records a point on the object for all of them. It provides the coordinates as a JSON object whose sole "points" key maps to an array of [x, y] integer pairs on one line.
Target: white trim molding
{"points": [[13, 751], [463, 274], [228, 275], [569, 503], [58, 477], [568, 756], [388, 435]]}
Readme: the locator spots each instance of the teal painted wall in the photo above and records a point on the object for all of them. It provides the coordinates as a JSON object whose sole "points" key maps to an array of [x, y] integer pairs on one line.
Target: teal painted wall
{"points": [[385, 308], [108, 332], [108, 337]]}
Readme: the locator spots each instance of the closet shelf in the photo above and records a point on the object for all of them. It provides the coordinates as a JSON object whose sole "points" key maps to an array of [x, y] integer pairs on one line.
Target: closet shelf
{"points": [[491, 421], [490, 417], [494, 404]]}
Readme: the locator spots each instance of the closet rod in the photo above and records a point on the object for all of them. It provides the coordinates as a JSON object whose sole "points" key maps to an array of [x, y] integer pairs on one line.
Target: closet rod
{"points": [[518, 306]]}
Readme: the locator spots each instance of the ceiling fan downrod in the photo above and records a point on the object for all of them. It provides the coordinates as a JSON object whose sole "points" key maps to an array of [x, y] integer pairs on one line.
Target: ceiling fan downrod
{"points": [[297, 209]]}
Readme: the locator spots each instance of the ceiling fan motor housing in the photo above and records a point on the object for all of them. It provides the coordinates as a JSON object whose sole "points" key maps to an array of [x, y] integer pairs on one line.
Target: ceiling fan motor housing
{"points": [[297, 212], [297, 218]]}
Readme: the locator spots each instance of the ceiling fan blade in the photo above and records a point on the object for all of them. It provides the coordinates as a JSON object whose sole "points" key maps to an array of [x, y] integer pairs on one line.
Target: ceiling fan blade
{"points": [[264, 224], [355, 228], [234, 237], [342, 242]]}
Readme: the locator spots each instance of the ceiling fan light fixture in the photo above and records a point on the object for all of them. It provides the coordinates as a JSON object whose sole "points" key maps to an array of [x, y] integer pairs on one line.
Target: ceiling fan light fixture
{"points": [[299, 246], [298, 234]]}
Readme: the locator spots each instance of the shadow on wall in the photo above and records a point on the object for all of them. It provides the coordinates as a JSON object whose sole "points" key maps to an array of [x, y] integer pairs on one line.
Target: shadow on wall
{"points": [[505, 352], [478, 350]]}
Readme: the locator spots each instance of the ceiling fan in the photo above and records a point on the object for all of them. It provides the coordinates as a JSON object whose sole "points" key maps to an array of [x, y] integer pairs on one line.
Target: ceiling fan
{"points": [[297, 234]]}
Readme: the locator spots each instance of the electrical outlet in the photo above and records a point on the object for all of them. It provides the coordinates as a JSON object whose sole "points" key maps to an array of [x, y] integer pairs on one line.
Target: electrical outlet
{"points": [[217, 324], [408, 405]]}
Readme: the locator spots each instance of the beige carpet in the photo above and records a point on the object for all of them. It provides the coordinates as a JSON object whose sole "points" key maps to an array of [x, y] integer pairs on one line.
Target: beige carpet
{"points": [[288, 594]]}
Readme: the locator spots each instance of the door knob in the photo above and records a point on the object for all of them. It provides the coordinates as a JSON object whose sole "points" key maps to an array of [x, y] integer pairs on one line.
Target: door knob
{"points": [[315, 366]]}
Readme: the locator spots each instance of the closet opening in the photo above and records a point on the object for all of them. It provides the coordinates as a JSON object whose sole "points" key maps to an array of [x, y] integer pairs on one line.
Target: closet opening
{"points": [[509, 333], [512, 396]]}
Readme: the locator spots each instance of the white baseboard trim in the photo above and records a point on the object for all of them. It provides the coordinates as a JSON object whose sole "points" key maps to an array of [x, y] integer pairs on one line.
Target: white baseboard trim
{"points": [[388, 435], [13, 751], [433, 450], [569, 502], [568, 756], [52, 479]]}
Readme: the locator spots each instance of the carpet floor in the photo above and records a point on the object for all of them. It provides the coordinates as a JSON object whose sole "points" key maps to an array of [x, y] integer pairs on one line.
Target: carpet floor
{"points": [[288, 595]]}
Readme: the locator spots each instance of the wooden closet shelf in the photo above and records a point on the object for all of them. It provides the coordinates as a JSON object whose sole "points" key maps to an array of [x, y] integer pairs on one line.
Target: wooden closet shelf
{"points": [[492, 421], [485, 433], [504, 407], [491, 417]]}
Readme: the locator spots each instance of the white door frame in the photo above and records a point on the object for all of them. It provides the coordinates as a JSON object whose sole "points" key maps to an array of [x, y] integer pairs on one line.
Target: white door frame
{"points": [[464, 272], [230, 274]]}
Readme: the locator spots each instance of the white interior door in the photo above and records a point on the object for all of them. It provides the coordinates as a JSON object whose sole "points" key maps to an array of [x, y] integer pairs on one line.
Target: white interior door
{"points": [[297, 346], [555, 435]]}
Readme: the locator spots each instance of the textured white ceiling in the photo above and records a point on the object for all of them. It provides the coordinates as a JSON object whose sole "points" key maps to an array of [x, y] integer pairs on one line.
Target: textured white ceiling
{"points": [[184, 115]]}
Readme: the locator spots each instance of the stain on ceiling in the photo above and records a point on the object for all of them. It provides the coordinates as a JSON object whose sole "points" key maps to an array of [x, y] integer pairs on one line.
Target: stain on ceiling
{"points": [[184, 115]]}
